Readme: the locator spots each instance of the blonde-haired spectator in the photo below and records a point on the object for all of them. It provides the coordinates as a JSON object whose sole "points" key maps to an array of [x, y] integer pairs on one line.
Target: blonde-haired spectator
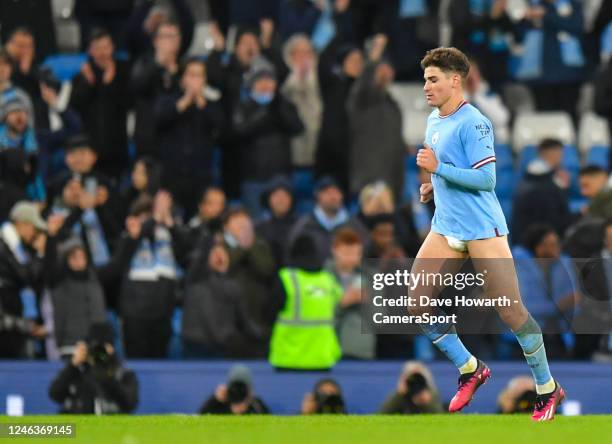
{"points": [[302, 89]]}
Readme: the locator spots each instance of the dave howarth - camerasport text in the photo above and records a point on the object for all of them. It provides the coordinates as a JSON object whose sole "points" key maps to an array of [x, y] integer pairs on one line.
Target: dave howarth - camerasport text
{"points": [[425, 301]]}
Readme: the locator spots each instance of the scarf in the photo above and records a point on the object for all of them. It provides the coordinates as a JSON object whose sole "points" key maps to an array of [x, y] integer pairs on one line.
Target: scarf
{"points": [[412, 8], [98, 247], [606, 42], [325, 28], [328, 223], [154, 258]]}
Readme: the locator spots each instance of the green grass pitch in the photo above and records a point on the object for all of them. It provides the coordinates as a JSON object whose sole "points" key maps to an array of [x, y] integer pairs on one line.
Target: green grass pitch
{"points": [[456, 429]]}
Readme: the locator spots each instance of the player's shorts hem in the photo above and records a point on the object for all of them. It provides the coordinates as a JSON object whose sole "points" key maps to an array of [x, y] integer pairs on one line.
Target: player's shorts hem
{"points": [[496, 233]]}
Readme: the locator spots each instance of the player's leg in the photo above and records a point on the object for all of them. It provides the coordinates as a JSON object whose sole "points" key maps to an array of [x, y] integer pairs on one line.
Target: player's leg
{"points": [[494, 255], [436, 256]]}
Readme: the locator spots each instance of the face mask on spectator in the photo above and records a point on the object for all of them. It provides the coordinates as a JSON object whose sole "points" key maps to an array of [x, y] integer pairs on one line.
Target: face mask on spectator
{"points": [[262, 98]]}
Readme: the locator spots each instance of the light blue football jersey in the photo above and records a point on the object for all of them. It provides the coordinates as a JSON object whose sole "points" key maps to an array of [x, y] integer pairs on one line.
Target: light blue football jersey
{"points": [[464, 139]]}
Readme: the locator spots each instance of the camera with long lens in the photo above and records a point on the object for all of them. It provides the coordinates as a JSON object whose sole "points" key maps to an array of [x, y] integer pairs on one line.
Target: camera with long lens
{"points": [[237, 392], [329, 403], [97, 354], [416, 383]]}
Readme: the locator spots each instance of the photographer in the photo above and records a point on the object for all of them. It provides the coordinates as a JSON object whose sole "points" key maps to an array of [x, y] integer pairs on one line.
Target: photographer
{"points": [[325, 398], [94, 381], [236, 397], [416, 392], [518, 396]]}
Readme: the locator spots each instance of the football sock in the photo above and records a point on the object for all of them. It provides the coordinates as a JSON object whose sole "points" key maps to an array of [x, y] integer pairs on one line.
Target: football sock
{"points": [[450, 344], [529, 336], [470, 366]]}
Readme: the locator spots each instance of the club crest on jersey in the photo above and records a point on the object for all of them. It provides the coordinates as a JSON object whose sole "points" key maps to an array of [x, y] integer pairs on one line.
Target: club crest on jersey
{"points": [[435, 137]]}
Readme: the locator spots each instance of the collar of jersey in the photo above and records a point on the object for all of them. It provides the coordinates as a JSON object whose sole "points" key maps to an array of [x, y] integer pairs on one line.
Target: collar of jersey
{"points": [[463, 102]]}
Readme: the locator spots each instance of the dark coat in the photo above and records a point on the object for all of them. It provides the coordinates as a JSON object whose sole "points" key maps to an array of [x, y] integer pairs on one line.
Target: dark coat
{"points": [[378, 149], [103, 109], [253, 270], [78, 298], [539, 200], [148, 81], [187, 140], [215, 314], [309, 225], [79, 389], [265, 132], [36, 15], [603, 94], [333, 148], [276, 232]]}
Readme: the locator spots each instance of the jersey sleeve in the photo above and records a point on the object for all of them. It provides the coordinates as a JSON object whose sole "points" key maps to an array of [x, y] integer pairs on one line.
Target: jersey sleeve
{"points": [[478, 142]]}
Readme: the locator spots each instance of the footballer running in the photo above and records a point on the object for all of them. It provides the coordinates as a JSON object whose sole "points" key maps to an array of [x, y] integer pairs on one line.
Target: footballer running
{"points": [[468, 222]]}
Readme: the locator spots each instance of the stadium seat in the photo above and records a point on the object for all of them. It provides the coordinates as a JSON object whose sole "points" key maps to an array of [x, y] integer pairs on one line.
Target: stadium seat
{"points": [[409, 96], [530, 128], [202, 42], [526, 155], [415, 125], [586, 101], [303, 183], [68, 34], [504, 159], [62, 9], [518, 98], [304, 206], [506, 182], [592, 131], [65, 66], [516, 9], [506, 205], [598, 156]]}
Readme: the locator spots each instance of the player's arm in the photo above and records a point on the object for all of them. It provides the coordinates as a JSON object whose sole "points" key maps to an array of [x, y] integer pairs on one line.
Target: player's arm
{"points": [[481, 177]]}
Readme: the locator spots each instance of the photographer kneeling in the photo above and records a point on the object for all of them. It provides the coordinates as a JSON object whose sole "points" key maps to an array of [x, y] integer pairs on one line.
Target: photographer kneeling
{"points": [[416, 392], [94, 381], [325, 398]]}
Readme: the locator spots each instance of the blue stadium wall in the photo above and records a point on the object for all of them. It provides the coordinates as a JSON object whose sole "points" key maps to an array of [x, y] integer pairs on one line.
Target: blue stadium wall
{"points": [[181, 387]]}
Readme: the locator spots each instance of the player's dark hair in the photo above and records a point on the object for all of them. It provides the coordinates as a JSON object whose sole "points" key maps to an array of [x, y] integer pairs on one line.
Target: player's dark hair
{"points": [[192, 60], [591, 170], [210, 189], [535, 234], [550, 144], [235, 210], [99, 33], [448, 60], [20, 30], [142, 205]]}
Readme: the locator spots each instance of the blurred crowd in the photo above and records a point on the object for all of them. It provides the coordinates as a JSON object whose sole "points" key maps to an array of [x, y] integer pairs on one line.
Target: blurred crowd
{"points": [[195, 199]]}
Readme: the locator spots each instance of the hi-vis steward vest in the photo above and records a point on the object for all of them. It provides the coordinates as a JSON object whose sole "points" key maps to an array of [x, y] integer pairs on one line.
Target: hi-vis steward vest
{"points": [[303, 336]]}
